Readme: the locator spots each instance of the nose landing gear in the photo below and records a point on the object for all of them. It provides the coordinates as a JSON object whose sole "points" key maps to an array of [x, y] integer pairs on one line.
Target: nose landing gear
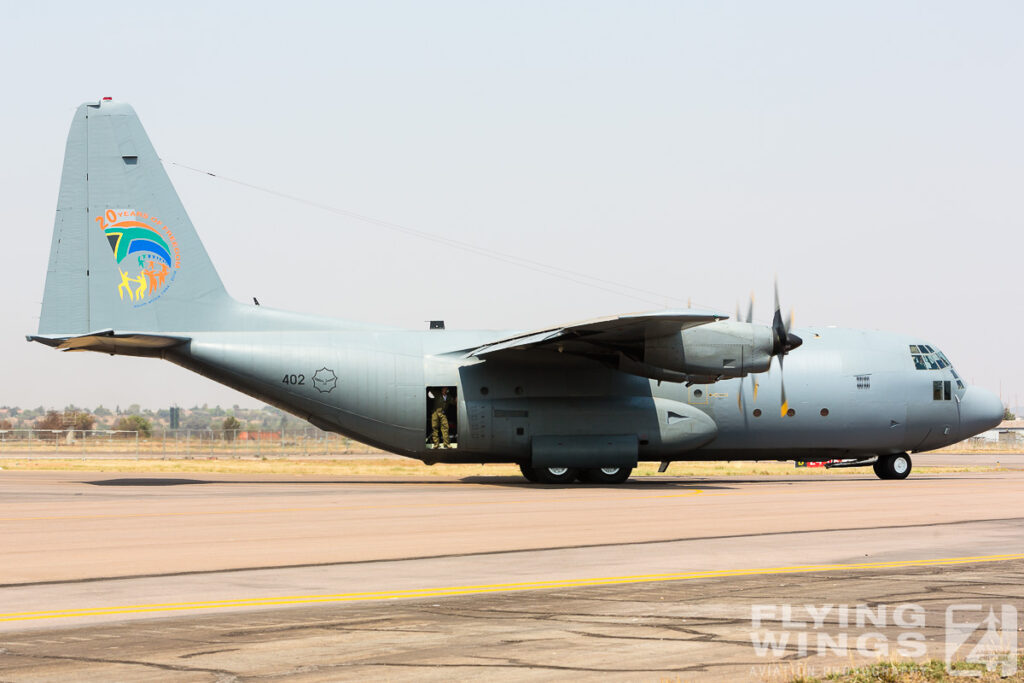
{"points": [[896, 466]]}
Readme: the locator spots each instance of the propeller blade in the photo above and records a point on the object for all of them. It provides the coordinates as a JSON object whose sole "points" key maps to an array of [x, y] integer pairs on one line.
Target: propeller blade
{"points": [[780, 335], [784, 341], [750, 309], [784, 408]]}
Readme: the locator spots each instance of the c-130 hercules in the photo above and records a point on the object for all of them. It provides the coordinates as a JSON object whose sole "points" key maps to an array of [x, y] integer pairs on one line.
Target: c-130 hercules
{"points": [[128, 275]]}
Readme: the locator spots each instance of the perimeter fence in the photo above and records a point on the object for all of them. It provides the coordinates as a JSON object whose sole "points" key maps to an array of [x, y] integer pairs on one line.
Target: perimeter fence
{"points": [[1006, 442], [176, 443]]}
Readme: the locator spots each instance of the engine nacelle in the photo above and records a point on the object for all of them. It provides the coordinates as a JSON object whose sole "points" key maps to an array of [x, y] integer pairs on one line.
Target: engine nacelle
{"points": [[722, 349]]}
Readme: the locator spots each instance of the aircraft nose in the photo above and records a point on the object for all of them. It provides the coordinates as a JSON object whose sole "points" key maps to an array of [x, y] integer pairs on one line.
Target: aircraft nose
{"points": [[980, 410]]}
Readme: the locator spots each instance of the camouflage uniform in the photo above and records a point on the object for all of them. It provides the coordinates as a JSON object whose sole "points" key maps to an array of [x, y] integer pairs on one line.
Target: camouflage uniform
{"points": [[439, 419]]}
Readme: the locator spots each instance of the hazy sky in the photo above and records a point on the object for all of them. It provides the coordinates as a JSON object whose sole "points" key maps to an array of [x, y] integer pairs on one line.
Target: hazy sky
{"points": [[870, 153]]}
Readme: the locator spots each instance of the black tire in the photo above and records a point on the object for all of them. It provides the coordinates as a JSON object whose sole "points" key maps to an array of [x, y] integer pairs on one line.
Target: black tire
{"points": [[555, 475], [896, 466], [606, 475], [529, 473]]}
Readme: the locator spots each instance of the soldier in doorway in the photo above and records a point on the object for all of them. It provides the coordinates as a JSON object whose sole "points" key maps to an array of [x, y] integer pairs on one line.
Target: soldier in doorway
{"points": [[438, 418]]}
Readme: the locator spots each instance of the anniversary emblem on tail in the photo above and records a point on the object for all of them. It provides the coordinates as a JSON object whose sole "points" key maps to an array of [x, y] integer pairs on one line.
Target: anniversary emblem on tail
{"points": [[136, 240]]}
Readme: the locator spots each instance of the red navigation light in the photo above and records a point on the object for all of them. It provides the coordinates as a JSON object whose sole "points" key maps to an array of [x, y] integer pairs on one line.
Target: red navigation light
{"points": [[107, 99]]}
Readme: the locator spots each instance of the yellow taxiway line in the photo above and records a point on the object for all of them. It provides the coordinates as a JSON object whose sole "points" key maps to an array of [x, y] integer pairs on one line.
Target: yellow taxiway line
{"points": [[489, 588]]}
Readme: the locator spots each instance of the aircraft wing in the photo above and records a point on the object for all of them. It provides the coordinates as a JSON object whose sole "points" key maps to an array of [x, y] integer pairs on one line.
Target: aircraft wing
{"points": [[601, 334]]}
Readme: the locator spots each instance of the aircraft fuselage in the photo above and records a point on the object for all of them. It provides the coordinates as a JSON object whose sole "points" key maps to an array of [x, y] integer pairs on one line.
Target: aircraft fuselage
{"points": [[851, 393]]}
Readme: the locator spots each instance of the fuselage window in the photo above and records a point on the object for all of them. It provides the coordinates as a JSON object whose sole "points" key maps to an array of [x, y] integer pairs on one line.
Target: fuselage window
{"points": [[942, 390]]}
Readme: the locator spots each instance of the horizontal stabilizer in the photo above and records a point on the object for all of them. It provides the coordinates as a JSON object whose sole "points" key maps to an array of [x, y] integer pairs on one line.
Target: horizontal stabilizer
{"points": [[108, 341]]}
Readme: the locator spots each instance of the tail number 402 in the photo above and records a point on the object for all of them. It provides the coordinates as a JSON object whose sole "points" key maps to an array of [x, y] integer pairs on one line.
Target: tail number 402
{"points": [[294, 379]]}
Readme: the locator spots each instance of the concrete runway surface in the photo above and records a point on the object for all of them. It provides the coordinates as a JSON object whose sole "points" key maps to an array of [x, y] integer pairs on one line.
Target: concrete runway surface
{"points": [[221, 577]]}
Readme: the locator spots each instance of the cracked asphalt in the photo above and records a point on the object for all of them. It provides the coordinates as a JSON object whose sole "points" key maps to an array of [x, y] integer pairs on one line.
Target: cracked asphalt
{"points": [[699, 630]]}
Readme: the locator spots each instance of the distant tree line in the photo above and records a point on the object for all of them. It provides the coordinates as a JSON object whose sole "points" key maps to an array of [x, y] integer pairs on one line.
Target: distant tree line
{"points": [[134, 418]]}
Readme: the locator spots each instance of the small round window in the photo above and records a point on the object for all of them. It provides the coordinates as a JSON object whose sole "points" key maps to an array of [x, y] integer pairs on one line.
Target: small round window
{"points": [[757, 412], [824, 412], [791, 412]]}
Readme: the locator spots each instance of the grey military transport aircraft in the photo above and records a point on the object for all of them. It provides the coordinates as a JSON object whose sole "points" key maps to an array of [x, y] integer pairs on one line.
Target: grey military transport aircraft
{"points": [[128, 275]]}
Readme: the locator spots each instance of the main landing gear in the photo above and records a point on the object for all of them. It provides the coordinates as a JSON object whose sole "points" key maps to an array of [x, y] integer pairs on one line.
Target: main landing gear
{"points": [[893, 466], [567, 475]]}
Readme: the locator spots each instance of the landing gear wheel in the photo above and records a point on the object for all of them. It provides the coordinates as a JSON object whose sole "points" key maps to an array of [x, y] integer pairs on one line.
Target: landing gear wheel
{"points": [[879, 467], [893, 466], [529, 473], [606, 475], [555, 475]]}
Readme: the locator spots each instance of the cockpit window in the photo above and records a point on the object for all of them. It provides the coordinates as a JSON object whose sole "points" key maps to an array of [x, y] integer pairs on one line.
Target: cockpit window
{"points": [[926, 357]]}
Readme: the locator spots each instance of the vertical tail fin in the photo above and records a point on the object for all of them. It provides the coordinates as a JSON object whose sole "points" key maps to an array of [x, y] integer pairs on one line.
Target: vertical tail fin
{"points": [[124, 255]]}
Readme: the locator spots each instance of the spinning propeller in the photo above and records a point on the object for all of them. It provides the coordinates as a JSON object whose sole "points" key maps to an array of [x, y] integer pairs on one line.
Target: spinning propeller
{"points": [[783, 341], [750, 319]]}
